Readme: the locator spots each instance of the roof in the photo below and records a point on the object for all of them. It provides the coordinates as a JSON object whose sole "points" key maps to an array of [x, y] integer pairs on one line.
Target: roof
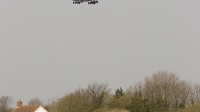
{"points": [[26, 108]]}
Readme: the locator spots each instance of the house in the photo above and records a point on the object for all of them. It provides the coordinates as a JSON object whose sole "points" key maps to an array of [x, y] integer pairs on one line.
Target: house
{"points": [[28, 108]]}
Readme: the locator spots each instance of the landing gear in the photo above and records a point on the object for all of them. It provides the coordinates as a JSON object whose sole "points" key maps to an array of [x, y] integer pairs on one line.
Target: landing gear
{"points": [[93, 2], [76, 2]]}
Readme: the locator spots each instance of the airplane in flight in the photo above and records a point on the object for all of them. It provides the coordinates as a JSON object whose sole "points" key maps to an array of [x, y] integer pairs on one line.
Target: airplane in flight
{"points": [[81, 1]]}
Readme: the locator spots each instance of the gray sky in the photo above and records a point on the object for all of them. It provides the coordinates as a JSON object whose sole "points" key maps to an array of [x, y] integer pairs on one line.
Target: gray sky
{"points": [[51, 47]]}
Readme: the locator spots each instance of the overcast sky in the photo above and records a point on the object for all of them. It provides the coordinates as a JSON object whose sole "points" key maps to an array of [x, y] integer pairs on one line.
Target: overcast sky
{"points": [[51, 47]]}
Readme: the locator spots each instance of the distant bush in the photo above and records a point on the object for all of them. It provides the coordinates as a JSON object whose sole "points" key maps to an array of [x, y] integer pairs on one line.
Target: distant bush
{"points": [[112, 110], [192, 108]]}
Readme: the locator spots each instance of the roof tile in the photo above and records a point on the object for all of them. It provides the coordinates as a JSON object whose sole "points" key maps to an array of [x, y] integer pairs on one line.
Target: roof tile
{"points": [[26, 108]]}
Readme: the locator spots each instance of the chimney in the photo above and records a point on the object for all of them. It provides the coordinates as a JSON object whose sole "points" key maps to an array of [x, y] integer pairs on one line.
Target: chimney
{"points": [[19, 103]]}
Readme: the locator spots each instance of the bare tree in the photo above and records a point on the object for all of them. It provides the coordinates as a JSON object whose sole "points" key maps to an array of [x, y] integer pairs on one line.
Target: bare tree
{"points": [[137, 101], [97, 94], [195, 97], [167, 89], [84, 100], [51, 105], [162, 91], [35, 101], [5, 104], [73, 102]]}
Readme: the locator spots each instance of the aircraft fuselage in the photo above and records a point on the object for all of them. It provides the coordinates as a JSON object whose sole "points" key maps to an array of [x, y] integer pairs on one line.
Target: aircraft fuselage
{"points": [[81, 1]]}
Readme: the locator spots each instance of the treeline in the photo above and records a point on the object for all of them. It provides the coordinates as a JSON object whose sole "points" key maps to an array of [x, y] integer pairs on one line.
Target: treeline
{"points": [[160, 92]]}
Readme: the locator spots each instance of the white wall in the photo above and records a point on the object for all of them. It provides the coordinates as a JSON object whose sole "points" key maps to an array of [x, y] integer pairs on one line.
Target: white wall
{"points": [[40, 109]]}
